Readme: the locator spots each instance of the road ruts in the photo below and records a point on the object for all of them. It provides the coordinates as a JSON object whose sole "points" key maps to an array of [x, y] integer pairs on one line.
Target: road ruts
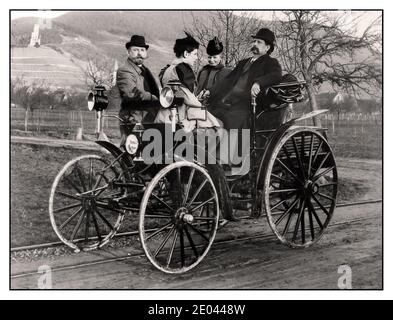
{"points": [[252, 264]]}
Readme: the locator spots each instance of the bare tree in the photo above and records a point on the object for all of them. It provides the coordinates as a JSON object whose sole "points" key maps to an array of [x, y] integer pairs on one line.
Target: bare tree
{"points": [[324, 47], [30, 96], [99, 71], [234, 30]]}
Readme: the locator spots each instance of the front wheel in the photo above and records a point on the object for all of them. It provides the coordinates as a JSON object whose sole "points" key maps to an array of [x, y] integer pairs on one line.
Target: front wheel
{"points": [[179, 217], [80, 203], [300, 187]]}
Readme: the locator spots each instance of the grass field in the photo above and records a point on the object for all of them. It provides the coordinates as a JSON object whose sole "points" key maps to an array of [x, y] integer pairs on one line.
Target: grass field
{"points": [[350, 138]]}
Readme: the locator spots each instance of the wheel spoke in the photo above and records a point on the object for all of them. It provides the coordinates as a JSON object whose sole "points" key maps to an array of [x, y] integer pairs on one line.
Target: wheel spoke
{"points": [[299, 217], [323, 161], [67, 195], [287, 169], [277, 177], [311, 222], [197, 192], [163, 243], [280, 203], [157, 216], [98, 181], [104, 219], [80, 176], [311, 207], [287, 224], [105, 206], [163, 202], [72, 184], [287, 211], [179, 186], [91, 174], [298, 158], [316, 153], [202, 204], [320, 205], [327, 184], [315, 178], [110, 196], [310, 156], [188, 187], [87, 225], [158, 231], [70, 218], [303, 224], [94, 218], [204, 219], [200, 232], [326, 196], [172, 249], [191, 242], [66, 208], [289, 158], [182, 255], [284, 190], [78, 225]]}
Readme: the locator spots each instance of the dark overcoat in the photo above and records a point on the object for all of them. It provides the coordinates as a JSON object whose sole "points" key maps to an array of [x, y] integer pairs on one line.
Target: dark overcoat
{"points": [[209, 76], [265, 71]]}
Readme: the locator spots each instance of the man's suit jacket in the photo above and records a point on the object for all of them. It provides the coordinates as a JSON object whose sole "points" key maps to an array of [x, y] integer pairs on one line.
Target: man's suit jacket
{"points": [[134, 99], [265, 71]]}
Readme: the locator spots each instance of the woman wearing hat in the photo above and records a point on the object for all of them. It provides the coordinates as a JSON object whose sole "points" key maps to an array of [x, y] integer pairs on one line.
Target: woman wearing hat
{"points": [[181, 69], [214, 71]]}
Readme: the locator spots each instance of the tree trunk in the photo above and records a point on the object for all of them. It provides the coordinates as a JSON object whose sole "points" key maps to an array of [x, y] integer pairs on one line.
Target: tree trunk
{"points": [[313, 103], [27, 118]]}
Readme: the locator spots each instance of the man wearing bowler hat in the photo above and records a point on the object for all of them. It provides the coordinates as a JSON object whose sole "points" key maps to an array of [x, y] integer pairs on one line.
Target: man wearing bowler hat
{"points": [[230, 99], [138, 89]]}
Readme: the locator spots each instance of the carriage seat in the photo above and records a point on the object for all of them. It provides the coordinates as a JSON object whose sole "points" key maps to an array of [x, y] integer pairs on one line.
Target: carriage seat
{"points": [[274, 101]]}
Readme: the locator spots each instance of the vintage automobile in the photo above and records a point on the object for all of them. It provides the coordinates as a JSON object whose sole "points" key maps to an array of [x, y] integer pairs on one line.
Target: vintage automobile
{"points": [[291, 179]]}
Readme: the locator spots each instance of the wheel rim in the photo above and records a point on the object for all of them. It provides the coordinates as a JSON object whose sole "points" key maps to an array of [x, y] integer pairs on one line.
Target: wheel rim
{"points": [[300, 188], [181, 206], [81, 206]]}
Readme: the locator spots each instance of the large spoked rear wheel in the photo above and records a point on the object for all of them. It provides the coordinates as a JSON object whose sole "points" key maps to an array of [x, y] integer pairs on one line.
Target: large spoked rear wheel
{"points": [[300, 188], [179, 217], [82, 203]]}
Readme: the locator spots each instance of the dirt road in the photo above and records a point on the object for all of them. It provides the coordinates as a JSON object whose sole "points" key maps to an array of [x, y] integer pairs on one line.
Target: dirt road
{"points": [[259, 263]]}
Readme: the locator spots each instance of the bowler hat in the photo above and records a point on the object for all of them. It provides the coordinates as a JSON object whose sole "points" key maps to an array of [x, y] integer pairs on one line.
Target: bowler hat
{"points": [[214, 47], [267, 35], [137, 41]]}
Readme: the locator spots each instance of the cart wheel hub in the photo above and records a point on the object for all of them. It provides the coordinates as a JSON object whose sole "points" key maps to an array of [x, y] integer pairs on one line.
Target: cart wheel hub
{"points": [[183, 215], [311, 187], [88, 203], [188, 218]]}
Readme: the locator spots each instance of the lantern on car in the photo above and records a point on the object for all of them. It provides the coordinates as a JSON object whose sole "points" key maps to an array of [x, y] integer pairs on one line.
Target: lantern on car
{"points": [[166, 97], [97, 99]]}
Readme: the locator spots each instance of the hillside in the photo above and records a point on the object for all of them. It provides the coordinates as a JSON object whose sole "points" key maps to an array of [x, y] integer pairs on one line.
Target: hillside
{"points": [[45, 65], [80, 35]]}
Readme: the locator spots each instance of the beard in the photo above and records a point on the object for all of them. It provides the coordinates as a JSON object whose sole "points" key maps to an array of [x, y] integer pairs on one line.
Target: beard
{"points": [[138, 60]]}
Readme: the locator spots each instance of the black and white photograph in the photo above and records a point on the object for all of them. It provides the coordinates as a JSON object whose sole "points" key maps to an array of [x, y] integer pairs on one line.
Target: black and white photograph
{"points": [[196, 149]]}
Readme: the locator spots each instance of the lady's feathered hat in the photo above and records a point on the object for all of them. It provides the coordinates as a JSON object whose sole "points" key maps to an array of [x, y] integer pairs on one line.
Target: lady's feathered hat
{"points": [[214, 47], [187, 41]]}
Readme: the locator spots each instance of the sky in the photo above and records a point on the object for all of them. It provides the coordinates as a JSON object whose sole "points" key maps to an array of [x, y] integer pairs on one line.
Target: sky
{"points": [[366, 17], [37, 13]]}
